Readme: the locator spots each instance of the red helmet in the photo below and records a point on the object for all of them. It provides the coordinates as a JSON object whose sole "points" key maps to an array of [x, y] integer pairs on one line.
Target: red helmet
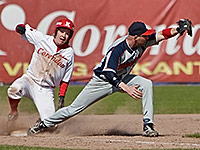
{"points": [[65, 23]]}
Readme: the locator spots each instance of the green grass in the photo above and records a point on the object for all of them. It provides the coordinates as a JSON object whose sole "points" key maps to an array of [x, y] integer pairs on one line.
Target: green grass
{"points": [[167, 100], [177, 99], [195, 135], [7, 147]]}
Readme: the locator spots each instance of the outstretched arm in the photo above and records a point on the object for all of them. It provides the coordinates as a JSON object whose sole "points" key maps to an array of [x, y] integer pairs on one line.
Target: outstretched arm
{"points": [[184, 25], [166, 34]]}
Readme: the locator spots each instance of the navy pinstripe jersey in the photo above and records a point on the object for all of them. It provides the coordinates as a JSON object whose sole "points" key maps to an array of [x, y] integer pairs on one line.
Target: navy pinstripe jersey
{"points": [[120, 60]]}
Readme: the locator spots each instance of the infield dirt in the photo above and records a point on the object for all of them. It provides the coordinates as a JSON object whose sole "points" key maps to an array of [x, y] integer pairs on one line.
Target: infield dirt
{"points": [[109, 132]]}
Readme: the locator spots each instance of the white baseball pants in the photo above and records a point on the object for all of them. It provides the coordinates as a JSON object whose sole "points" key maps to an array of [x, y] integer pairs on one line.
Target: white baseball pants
{"points": [[43, 97]]}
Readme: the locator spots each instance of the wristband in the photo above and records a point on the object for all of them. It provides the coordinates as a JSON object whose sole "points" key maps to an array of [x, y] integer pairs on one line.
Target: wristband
{"points": [[167, 33], [63, 88]]}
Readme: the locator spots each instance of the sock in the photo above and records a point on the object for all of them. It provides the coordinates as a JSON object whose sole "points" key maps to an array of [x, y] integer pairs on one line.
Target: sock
{"points": [[13, 105]]}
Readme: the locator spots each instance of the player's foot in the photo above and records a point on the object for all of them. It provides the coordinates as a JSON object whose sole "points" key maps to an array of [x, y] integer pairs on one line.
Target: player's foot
{"points": [[10, 125], [37, 128], [13, 116], [148, 130]]}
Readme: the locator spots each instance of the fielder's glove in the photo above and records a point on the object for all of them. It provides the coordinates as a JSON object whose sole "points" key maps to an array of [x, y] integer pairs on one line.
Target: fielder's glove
{"points": [[61, 102], [184, 25]]}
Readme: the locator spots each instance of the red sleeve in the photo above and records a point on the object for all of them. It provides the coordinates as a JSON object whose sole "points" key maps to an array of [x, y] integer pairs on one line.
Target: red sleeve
{"points": [[63, 88]]}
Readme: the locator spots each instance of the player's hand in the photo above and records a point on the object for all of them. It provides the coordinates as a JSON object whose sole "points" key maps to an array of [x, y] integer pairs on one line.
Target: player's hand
{"points": [[131, 90], [20, 28], [184, 25], [61, 102]]}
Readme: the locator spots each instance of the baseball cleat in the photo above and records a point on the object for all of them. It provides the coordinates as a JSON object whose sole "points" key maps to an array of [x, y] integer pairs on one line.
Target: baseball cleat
{"points": [[37, 128], [149, 131]]}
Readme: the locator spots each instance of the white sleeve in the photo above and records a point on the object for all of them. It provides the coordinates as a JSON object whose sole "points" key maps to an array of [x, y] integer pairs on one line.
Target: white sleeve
{"points": [[69, 68], [32, 35]]}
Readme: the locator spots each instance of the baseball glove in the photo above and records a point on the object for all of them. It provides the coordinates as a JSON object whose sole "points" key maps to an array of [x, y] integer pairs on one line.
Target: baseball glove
{"points": [[184, 25]]}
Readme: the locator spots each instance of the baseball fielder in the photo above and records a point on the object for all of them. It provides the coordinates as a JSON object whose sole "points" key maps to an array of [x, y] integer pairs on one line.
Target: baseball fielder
{"points": [[112, 75], [51, 65]]}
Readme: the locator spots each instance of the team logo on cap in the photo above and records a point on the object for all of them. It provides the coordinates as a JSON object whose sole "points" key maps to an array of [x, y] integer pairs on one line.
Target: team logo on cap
{"points": [[58, 23], [67, 24]]}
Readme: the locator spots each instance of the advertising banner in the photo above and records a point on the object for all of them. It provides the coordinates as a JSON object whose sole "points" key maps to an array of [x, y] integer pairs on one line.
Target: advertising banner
{"points": [[97, 25]]}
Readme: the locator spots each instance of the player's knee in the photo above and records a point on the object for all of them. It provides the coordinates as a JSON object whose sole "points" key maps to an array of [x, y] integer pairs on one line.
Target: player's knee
{"points": [[75, 109], [14, 92], [148, 83]]}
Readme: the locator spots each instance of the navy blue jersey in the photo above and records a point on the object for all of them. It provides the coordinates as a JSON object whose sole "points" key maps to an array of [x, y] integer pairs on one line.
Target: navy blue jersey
{"points": [[120, 60]]}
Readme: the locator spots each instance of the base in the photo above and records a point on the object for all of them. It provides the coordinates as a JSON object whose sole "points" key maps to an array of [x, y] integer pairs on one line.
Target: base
{"points": [[18, 133]]}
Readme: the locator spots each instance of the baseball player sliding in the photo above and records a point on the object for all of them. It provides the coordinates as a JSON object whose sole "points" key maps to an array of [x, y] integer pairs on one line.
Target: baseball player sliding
{"points": [[112, 75], [51, 65]]}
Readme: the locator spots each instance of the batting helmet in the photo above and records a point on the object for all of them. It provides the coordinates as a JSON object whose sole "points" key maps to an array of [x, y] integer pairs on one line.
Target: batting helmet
{"points": [[65, 23]]}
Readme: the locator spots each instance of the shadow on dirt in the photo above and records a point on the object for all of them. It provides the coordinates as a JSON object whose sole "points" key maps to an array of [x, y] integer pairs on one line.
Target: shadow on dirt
{"points": [[116, 132]]}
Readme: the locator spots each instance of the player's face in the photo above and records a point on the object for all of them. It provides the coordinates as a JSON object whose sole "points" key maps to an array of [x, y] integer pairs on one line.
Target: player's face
{"points": [[141, 40], [62, 36]]}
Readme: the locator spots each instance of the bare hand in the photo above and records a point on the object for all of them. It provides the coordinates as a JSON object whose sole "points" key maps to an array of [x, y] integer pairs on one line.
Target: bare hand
{"points": [[131, 90]]}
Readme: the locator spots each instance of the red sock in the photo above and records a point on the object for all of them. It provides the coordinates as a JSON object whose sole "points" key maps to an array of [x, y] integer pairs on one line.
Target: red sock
{"points": [[13, 105]]}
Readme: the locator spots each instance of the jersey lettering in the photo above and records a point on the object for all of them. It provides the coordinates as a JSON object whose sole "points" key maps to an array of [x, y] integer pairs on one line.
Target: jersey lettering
{"points": [[57, 60]]}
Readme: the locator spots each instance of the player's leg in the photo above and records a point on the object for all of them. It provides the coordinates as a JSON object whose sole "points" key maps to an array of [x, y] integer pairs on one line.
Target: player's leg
{"points": [[93, 91], [43, 99], [13, 115], [146, 87], [147, 95], [15, 92]]}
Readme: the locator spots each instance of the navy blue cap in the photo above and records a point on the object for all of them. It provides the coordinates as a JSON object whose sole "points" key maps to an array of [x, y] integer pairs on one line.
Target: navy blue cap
{"points": [[139, 28]]}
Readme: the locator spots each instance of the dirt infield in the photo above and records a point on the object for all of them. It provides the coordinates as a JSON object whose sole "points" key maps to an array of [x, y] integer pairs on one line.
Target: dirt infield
{"points": [[109, 132]]}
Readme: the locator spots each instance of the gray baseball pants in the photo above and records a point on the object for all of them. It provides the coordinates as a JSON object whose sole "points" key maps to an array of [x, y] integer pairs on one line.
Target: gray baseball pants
{"points": [[97, 89]]}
